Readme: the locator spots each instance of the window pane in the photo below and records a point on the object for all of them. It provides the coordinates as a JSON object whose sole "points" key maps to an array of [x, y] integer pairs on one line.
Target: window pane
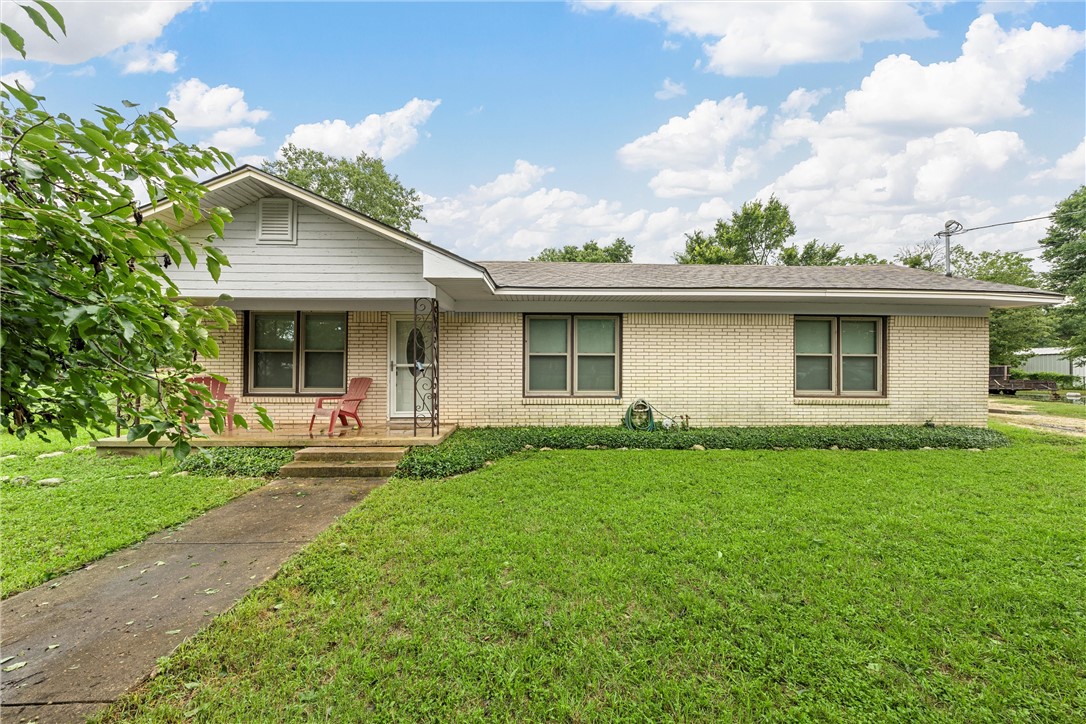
{"points": [[859, 337], [325, 331], [596, 336], [412, 345], [595, 373], [859, 374], [813, 336], [324, 370], [273, 369], [814, 374], [547, 374], [273, 331], [549, 336]]}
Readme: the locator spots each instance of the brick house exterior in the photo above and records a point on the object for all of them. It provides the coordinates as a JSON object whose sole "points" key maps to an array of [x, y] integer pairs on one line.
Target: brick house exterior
{"points": [[324, 294]]}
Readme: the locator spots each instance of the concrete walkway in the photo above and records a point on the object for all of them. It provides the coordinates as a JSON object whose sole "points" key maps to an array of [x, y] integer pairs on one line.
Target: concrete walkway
{"points": [[90, 636]]}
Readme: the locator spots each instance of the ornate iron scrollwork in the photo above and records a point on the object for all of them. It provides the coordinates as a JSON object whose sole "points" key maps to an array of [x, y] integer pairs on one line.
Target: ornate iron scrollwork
{"points": [[422, 353]]}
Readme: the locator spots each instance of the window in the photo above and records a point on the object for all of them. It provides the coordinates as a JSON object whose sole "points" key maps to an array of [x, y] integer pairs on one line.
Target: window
{"points": [[297, 352], [275, 222], [839, 356], [571, 355]]}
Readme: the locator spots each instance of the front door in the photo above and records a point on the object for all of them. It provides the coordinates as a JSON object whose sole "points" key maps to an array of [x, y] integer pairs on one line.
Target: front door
{"points": [[411, 355]]}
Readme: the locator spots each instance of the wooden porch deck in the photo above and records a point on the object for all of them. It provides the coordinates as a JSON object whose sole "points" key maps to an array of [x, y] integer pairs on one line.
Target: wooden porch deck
{"points": [[294, 436]]}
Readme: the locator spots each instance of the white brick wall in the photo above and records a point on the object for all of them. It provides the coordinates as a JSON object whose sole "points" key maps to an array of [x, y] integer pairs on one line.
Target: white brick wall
{"points": [[721, 369]]}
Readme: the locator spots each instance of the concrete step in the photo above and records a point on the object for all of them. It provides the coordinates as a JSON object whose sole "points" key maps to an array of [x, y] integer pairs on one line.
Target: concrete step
{"points": [[333, 469], [349, 454]]}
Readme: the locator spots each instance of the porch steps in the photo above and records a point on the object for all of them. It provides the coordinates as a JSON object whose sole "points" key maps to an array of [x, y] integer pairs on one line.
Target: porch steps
{"points": [[355, 463]]}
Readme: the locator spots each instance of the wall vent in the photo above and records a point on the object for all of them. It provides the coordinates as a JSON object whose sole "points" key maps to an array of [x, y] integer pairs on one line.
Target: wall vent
{"points": [[276, 221]]}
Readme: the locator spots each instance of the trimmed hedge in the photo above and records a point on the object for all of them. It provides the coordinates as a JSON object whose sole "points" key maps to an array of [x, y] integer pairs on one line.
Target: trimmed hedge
{"points": [[238, 462], [469, 449], [1063, 381]]}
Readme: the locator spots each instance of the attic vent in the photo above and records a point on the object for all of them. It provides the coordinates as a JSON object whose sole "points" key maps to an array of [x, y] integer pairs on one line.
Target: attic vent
{"points": [[276, 222]]}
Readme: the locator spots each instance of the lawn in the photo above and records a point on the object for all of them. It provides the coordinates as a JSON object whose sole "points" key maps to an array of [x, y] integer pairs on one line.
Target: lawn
{"points": [[1043, 407], [103, 504], [666, 584]]}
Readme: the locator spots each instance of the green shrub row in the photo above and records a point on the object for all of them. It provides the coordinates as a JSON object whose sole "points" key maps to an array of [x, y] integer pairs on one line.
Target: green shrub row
{"points": [[469, 449], [238, 462], [1064, 381]]}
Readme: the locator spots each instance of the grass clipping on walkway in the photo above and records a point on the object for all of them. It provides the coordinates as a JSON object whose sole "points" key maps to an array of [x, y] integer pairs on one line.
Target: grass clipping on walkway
{"points": [[654, 585], [470, 449], [103, 504]]}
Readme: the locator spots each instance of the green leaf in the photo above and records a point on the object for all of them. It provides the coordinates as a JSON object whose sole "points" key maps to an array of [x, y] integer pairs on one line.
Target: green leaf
{"points": [[54, 14], [213, 268], [15, 39], [129, 104], [38, 20], [181, 450], [128, 330], [28, 101]]}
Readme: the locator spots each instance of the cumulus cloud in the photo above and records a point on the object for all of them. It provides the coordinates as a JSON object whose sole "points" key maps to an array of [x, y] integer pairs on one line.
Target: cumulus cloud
{"points": [[142, 59], [523, 177], [1071, 166], [198, 105], [385, 135], [19, 77], [800, 101], [761, 38], [234, 139], [670, 89], [94, 28]]}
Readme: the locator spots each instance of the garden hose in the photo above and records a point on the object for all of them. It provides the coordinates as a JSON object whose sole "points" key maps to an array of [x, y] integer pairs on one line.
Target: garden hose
{"points": [[640, 408]]}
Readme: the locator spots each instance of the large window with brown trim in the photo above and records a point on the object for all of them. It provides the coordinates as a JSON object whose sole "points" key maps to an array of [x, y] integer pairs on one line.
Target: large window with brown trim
{"points": [[571, 355], [297, 352], [839, 356]]}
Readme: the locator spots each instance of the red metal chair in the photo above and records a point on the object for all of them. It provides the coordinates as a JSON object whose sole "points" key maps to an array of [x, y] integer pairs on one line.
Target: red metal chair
{"points": [[219, 394], [346, 405]]}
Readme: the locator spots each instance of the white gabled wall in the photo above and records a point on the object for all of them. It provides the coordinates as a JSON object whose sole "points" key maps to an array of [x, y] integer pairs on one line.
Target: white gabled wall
{"points": [[329, 259]]}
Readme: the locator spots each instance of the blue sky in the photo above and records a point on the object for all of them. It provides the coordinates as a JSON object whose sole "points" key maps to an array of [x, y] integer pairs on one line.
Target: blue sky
{"points": [[538, 124]]}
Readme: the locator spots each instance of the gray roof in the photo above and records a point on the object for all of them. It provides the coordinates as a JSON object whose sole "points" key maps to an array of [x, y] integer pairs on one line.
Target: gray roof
{"points": [[581, 275]]}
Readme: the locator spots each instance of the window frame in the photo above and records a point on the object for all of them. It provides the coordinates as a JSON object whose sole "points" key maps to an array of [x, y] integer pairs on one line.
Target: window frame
{"points": [[297, 388], [837, 358], [571, 354]]}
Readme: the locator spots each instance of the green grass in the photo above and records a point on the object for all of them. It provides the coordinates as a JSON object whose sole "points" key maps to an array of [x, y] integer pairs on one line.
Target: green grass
{"points": [[1042, 407], [104, 504], [921, 585]]}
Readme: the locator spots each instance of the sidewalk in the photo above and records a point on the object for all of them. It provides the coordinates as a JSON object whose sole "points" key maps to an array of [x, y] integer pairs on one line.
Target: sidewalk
{"points": [[90, 636]]}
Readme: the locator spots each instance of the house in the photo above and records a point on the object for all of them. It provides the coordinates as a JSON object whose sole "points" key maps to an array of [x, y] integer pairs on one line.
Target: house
{"points": [[324, 294], [1051, 359]]}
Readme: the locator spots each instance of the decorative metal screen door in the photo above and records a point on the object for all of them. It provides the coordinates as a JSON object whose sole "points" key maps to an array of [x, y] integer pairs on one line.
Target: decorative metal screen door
{"points": [[414, 366]]}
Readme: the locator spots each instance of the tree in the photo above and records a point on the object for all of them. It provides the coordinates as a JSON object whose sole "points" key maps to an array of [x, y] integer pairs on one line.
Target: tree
{"points": [[929, 255], [755, 235], [361, 183], [813, 253], [91, 321], [618, 251], [1010, 331], [1064, 247]]}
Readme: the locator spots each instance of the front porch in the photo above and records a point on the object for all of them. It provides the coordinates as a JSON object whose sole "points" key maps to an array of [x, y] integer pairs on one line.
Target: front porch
{"points": [[294, 436]]}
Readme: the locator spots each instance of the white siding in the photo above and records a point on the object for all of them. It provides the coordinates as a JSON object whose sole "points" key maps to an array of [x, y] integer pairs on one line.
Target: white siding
{"points": [[331, 260]]}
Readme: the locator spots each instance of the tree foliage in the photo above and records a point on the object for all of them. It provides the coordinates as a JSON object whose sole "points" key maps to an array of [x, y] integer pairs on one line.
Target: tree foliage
{"points": [[361, 183], [1064, 247], [618, 251], [755, 235], [92, 324]]}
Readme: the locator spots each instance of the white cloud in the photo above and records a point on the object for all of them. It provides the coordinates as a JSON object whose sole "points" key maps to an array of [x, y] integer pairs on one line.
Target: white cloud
{"points": [[141, 59], [20, 77], [384, 135], [197, 105], [670, 45], [760, 38], [1071, 166], [670, 89], [94, 28], [234, 139], [985, 83], [86, 71], [800, 101], [530, 218]]}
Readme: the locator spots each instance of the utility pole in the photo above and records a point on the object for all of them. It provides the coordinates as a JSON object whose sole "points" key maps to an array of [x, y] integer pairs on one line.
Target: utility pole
{"points": [[950, 228]]}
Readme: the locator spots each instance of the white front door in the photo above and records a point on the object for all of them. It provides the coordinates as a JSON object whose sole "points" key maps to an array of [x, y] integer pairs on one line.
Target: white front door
{"points": [[410, 355]]}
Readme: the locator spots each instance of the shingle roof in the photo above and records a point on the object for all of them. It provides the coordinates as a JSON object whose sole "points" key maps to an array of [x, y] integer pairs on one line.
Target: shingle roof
{"points": [[581, 275]]}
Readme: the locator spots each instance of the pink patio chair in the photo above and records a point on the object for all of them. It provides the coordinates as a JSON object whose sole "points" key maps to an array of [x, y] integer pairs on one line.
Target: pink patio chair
{"points": [[219, 394], [346, 405]]}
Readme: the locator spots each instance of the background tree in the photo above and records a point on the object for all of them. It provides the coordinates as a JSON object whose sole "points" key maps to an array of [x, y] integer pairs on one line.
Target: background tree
{"points": [[755, 235], [929, 255], [1064, 247], [1010, 331], [361, 183], [90, 317], [618, 251]]}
